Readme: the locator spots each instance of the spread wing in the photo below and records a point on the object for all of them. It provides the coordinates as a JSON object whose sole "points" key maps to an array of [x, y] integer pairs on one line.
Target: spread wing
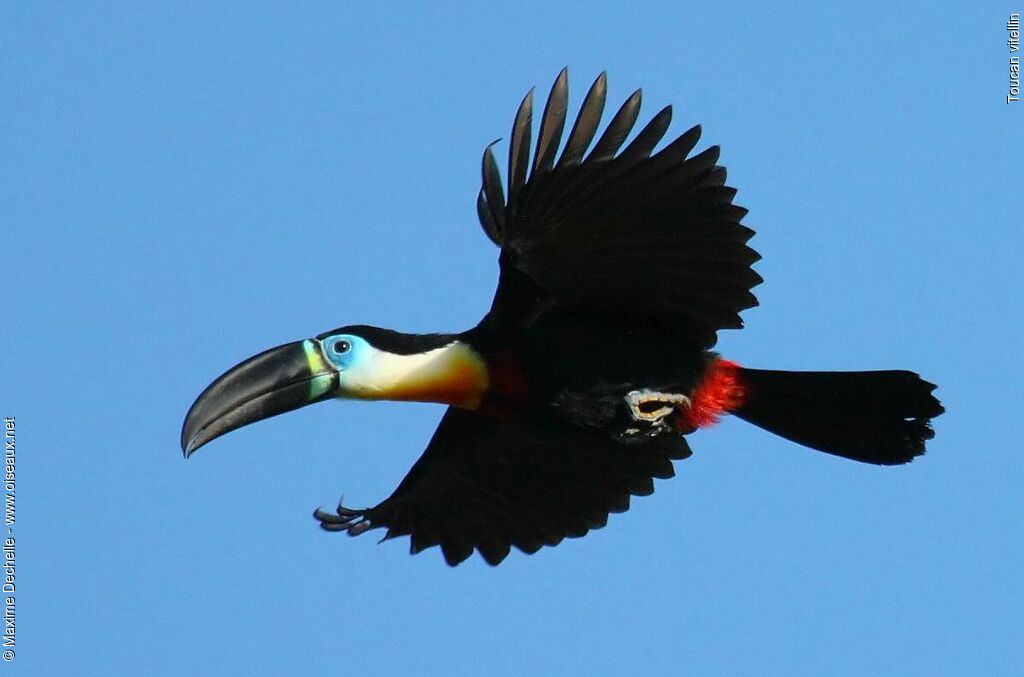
{"points": [[622, 234], [487, 484]]}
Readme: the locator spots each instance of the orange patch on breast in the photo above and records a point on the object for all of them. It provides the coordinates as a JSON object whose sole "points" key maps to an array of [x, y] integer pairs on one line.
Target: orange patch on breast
{"points": [[457, 376], [460, 385]]}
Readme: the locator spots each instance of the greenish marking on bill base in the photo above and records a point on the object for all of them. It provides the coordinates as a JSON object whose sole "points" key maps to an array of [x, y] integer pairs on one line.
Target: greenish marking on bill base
{"points": [[318, 385]]}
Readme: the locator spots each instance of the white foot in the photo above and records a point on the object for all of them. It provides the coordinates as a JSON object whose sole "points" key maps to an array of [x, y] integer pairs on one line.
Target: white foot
{"points": [[641, 401]]}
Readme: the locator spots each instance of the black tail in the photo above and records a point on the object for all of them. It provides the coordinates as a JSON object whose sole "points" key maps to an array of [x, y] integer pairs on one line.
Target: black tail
{"points": [[878, 417]]}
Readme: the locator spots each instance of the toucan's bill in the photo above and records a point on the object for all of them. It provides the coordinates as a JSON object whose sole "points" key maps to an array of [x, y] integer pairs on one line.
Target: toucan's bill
{"points": [[275, 381]]}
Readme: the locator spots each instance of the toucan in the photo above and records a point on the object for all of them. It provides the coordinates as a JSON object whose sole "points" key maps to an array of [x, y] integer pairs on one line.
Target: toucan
{"points": [[617, 268]]}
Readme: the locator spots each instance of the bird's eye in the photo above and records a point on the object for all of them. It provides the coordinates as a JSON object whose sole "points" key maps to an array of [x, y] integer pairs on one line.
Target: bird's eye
{"points": [[342, 346]]}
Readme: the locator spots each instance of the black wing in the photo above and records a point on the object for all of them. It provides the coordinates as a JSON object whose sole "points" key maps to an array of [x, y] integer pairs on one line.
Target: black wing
{"points": [[489, 484], [650, 237]]}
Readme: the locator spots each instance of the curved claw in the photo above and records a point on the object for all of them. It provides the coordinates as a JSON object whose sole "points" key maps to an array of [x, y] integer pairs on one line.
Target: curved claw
{"points": [[343, 519], [327, 526], [341, 516]]}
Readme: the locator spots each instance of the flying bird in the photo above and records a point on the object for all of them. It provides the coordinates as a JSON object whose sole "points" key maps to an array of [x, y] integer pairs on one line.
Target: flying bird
{"points": [[618, 267]]}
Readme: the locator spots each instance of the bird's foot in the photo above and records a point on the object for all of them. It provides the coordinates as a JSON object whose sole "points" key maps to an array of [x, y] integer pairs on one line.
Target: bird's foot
{"points": [[354, 522], [650, 406]]}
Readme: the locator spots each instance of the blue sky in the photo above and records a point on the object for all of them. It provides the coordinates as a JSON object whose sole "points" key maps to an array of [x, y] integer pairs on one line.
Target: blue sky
{"points": [[182, 186]]}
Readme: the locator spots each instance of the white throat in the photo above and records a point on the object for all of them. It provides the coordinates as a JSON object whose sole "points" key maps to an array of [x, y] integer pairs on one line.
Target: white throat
{"points": [[453, 374]]}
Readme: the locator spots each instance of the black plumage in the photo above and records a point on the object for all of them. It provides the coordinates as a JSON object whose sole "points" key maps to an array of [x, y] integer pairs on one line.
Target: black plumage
{"points": [[488, 483], [655, 238]]}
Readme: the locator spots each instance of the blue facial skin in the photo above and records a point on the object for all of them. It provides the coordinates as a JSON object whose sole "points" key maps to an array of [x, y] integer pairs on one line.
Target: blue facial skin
{"points": [[339, 352], [343, 350]]}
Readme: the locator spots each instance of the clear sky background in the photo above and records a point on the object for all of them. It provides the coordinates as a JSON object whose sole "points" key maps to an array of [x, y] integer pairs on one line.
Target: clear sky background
{"points": [[184, 185]]}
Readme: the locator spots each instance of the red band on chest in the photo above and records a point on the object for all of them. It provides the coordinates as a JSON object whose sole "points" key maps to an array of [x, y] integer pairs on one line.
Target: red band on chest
{"points": [[719, 392], [507, 378]]}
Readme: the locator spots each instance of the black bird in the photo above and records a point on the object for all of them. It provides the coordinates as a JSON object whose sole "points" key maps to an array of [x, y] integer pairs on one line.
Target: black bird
{"points": [[617, 269]]}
